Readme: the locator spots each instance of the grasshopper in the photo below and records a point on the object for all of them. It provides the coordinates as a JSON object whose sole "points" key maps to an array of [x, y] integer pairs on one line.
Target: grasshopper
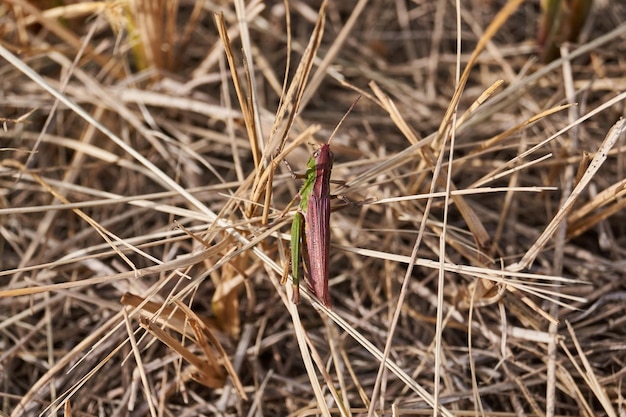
{"points": [[313, 221]]}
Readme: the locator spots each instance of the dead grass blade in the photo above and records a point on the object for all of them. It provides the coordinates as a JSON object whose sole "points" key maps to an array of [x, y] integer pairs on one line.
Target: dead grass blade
{"points": [[140, 367], [50, 23], [472, 220], [492, 142], [602, 206], [209, 370], [587, 372], [287, 111], [250, 114], [389, 364], [105, 234], [502, 16], [600, 156], [174, 265], [306, 355]]}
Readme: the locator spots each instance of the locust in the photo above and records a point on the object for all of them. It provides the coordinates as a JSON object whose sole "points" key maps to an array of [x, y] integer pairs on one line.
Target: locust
{"points": [[310, 230], [312, 220]]}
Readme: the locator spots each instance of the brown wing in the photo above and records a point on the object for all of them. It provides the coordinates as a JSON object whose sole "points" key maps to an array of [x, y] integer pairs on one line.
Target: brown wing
{"points": [[318, 245]]}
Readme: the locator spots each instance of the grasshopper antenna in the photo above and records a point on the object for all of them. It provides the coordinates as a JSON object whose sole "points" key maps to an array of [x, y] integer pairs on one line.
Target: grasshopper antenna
{"points": [[342, 119]]}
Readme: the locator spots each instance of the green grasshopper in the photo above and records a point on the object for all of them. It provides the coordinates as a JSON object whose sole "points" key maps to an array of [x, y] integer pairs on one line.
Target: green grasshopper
{"points": [[313, 221]]}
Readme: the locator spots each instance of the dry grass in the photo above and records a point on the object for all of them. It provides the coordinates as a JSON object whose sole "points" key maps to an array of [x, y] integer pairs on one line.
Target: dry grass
{"points": [[143, 237]]}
